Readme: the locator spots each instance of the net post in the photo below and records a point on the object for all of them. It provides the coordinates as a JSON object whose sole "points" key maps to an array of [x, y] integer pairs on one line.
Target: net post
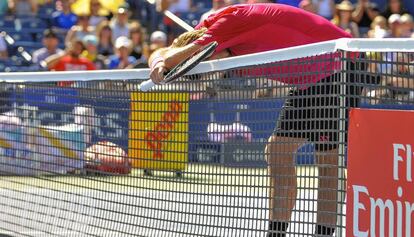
{"points": [[341, 145]]}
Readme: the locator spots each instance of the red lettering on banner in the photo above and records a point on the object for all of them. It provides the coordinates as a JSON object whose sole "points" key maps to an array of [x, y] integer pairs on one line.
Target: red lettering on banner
{"points": [[380, 189], [162, 129]]}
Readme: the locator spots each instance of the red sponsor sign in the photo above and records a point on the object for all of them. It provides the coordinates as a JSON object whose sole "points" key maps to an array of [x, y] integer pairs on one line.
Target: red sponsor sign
{"points": [[380, 188], [163, 129], [158, 130]]}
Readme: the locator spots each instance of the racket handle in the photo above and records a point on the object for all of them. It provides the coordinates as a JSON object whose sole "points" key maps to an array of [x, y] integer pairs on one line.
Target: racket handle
{"points": [[146, 85]]}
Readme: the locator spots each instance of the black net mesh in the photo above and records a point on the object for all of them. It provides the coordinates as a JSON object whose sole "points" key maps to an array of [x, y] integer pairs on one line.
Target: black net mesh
{"points": [[251, 151]]}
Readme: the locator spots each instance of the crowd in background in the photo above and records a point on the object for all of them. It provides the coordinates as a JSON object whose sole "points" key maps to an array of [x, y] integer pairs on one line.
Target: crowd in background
{"points": [[99, 38]]}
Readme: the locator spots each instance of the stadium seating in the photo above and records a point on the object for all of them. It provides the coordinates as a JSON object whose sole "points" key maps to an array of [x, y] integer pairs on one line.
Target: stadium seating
{"points": [[33, 24], [46, 10], [21, 36], [29, 46], [27, 34], [192, 18], [6, 23], [202, 4]]}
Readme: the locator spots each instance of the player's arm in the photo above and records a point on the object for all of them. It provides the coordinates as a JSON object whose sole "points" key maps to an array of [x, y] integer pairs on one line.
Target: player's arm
{"points": [[165, 59], [71, 35], [51, 61], [174, 56], [156, 64]]}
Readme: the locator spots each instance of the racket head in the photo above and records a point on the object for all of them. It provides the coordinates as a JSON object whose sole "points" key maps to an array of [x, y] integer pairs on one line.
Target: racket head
{"points": [[185, 66]]}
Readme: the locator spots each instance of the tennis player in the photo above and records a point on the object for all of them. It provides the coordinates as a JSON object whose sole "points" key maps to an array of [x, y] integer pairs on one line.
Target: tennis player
{"points": [[251, 28]]}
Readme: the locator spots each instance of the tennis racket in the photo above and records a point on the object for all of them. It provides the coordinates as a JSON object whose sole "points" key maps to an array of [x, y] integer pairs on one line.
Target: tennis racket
{"points": [[182, 68]]}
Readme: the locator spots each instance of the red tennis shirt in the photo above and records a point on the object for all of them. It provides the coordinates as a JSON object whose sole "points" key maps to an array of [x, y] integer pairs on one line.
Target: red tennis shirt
{"points": [[68, 63], [252, 28]]}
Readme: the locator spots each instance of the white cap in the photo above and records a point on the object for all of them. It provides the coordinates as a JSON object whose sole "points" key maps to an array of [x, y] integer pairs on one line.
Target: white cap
{"points": [[406, 18], [158, 36], [394, 18], [122, 41]]}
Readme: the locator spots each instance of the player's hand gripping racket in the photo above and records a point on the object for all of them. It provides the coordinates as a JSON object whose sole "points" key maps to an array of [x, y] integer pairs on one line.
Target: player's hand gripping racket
{"points": [[183, 67]]}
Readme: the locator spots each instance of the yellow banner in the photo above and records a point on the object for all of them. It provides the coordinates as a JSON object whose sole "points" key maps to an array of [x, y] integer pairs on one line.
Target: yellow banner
{"points": [[158, 134]]}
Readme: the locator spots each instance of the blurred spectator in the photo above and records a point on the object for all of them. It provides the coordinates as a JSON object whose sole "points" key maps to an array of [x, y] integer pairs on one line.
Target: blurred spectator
{"points": [[343, 18], [179, 6], [121, 59], [400, 26], [379, 28], [396, 26], [64, 18], [140, 47], [325, 8], [407, 25], [91, 51], [71, 59], [80, 30], [105, 42], [3, 48], [140, 10], [364, 13], [217, 4], [95, 18], [4, 7], [119, 23], [158, 40], [394, 7], [398, 71], [50, 42], [307, 5], [23, 7]]}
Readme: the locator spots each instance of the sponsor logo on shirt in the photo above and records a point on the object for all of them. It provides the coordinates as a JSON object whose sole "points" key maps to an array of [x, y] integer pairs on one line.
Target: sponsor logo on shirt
{"points": [[75, 67]]}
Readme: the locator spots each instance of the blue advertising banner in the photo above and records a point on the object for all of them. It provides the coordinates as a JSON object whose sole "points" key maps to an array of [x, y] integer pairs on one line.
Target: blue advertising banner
{"points": [[45, 106], [111, 118], [248, 125], [48, 98], [55, 106]]}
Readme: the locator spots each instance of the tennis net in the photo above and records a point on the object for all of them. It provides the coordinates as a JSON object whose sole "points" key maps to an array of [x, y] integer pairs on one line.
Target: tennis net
{"points": [[236, 147]]}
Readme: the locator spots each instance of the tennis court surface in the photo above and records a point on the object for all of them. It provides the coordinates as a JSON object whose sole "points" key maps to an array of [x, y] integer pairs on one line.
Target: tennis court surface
{"points": [[234, 204]]}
